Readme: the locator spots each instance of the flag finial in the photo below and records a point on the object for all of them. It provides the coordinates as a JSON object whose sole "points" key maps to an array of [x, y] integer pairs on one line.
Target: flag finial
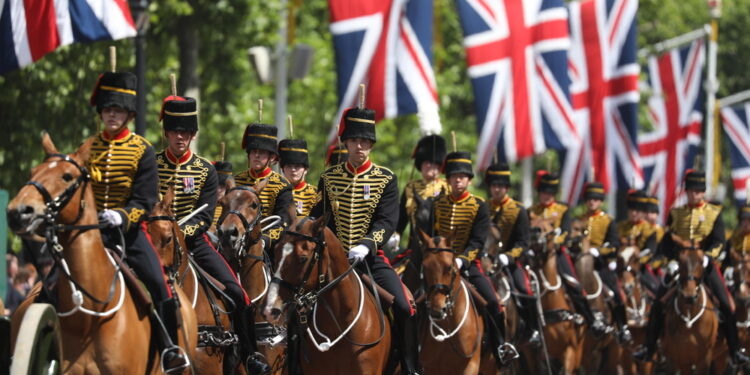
{"points": [[223, 149], [173, 82], [260, 110], [361, 95], [291, 127], [113, 58], [453, 137]]}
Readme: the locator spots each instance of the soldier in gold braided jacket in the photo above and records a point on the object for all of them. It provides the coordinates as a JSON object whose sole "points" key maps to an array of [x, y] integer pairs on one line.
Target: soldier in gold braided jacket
{"points": [[639, 232], [259, 141], [363, 199], [547, 185], [465, 218], [739, 243], [511, 218], [125, 185], [195, 181], [294, 164], [428, 157], [697, 225], [604, 243]]}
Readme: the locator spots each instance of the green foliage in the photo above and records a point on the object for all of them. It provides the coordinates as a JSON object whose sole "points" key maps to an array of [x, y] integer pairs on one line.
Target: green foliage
{"points": [[52, 94]]}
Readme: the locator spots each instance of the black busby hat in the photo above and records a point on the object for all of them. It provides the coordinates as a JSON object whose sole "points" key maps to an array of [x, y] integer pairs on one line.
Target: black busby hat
{"points": [[336, 155], [458, 162], [293, 151], [179, 114], [637, 200], [357, 123], [653, 204], [114, 89], [744, 212], [430, 148], [593, 190], [223, 170], [260, 137], [547, 182], [497, 174], [695, 180]]}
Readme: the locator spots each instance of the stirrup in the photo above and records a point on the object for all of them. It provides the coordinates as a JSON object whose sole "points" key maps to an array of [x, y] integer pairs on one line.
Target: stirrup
{"points": [[507, 353], [256, 364], [624, 335], [642, 354], [740, 358], [178, 352]]}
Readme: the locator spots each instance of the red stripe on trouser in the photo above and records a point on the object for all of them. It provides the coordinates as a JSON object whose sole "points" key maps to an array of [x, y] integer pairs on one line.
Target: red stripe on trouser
{"points": [[161, 265], [381, 254], [572, 267], [724, 284], [526, 280], [481, 270], [244, 294]]}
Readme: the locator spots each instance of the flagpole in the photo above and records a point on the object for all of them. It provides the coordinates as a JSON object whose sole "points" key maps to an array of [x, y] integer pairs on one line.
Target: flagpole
{"points": [[733, 99], [527, 171], [281, 72], [712, 160], [675, 42]]}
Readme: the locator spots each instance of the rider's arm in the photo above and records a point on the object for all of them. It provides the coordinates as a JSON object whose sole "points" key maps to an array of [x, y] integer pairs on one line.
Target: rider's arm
{"points": [[520, 235], [611, 237], [713, 244], [145, 191], [479, 231], [284, 201], [565, 222], [403, 218], [384, 219]]}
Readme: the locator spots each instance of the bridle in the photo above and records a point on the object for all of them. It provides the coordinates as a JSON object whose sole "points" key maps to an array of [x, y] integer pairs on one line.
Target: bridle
{"points": [[53, 207], [245, 241], [448, 290], [177, 251]]}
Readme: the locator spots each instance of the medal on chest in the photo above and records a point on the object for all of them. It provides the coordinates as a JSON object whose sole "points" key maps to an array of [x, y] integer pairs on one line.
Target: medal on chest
{"points": [[367, 191], [299, 207], [188, 185]]}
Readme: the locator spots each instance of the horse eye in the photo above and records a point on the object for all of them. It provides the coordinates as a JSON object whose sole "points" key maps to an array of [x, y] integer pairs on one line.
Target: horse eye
{"points": [[67, 177], [254, 206]]}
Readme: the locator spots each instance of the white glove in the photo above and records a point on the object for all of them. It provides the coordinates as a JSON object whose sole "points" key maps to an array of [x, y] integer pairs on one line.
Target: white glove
{"points": [[673, 267], [594, 251], [460, 262], [503, 259], [394, 241], [110, 218], [705, 261], [358, 252], [612, 265]]}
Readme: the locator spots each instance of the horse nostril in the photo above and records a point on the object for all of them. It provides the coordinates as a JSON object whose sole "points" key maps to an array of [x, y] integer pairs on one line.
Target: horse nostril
{"points": [[275, 312], [26, 210]]}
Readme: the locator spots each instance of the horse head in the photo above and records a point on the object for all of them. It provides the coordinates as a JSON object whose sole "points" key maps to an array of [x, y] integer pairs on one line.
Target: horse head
{"points": [[238, 229], [578, 237], [628, 272], [305, 255], [543, 241], [423, 215], [163, 230], [691, 273], [52, 194], [441, 275]]}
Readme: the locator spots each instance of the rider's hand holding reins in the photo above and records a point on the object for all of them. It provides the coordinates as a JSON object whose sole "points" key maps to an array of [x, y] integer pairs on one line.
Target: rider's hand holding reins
{"points": [[358, 252], [110, 218]]}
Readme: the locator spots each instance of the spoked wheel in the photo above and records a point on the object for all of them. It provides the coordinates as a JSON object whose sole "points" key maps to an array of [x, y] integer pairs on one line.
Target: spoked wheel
{"points": [[39, 345]]}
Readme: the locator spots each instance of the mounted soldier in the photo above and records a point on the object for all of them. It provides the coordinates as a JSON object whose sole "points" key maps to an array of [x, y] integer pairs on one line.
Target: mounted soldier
{"points": [[259, 141], [465, 218], [604, 243], [195, 182], [428, 156], [549, 209], [696, 225], [512, 219], [125, 184], [637, 231], [294, 164], [363, 200]]}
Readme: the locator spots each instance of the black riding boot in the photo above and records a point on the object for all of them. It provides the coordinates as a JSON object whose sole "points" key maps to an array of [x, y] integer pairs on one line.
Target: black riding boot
{"points": [[624, 334], [730, 332], [598, 328], [504, 352], [406, 334], [531, 321], [167, 322], [243, 321], [655, 324]]}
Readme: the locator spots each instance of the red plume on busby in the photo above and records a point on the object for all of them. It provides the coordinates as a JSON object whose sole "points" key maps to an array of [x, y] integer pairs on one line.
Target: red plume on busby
{"points": [[342, 122], [538, 177], [164, 103], [92, 98]]}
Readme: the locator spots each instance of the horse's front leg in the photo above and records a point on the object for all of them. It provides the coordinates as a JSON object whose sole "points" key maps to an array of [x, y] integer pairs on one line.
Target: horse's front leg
{"points": [[569, 360]]}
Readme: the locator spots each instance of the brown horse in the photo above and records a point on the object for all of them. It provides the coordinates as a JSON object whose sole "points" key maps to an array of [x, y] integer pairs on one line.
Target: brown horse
{"points": [[452, 341], [691, 323], [169, 241], [742, 297], [562, 335], [597, 295], [103, 330], [239, 231], [333, 322]]}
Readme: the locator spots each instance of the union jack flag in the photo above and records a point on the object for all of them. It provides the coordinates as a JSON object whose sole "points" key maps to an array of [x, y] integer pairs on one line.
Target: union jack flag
{"points": [[736, 121], [604, 91], [517, 58], [387, 45], [675, 109]]}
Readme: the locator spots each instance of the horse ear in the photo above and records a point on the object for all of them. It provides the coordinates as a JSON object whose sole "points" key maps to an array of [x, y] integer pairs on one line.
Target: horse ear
{"points": [[260, 186], [84, 151], [168, 198], [417, 197], [230, 184], [48, 145], [425, 239], [320, 223]]}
